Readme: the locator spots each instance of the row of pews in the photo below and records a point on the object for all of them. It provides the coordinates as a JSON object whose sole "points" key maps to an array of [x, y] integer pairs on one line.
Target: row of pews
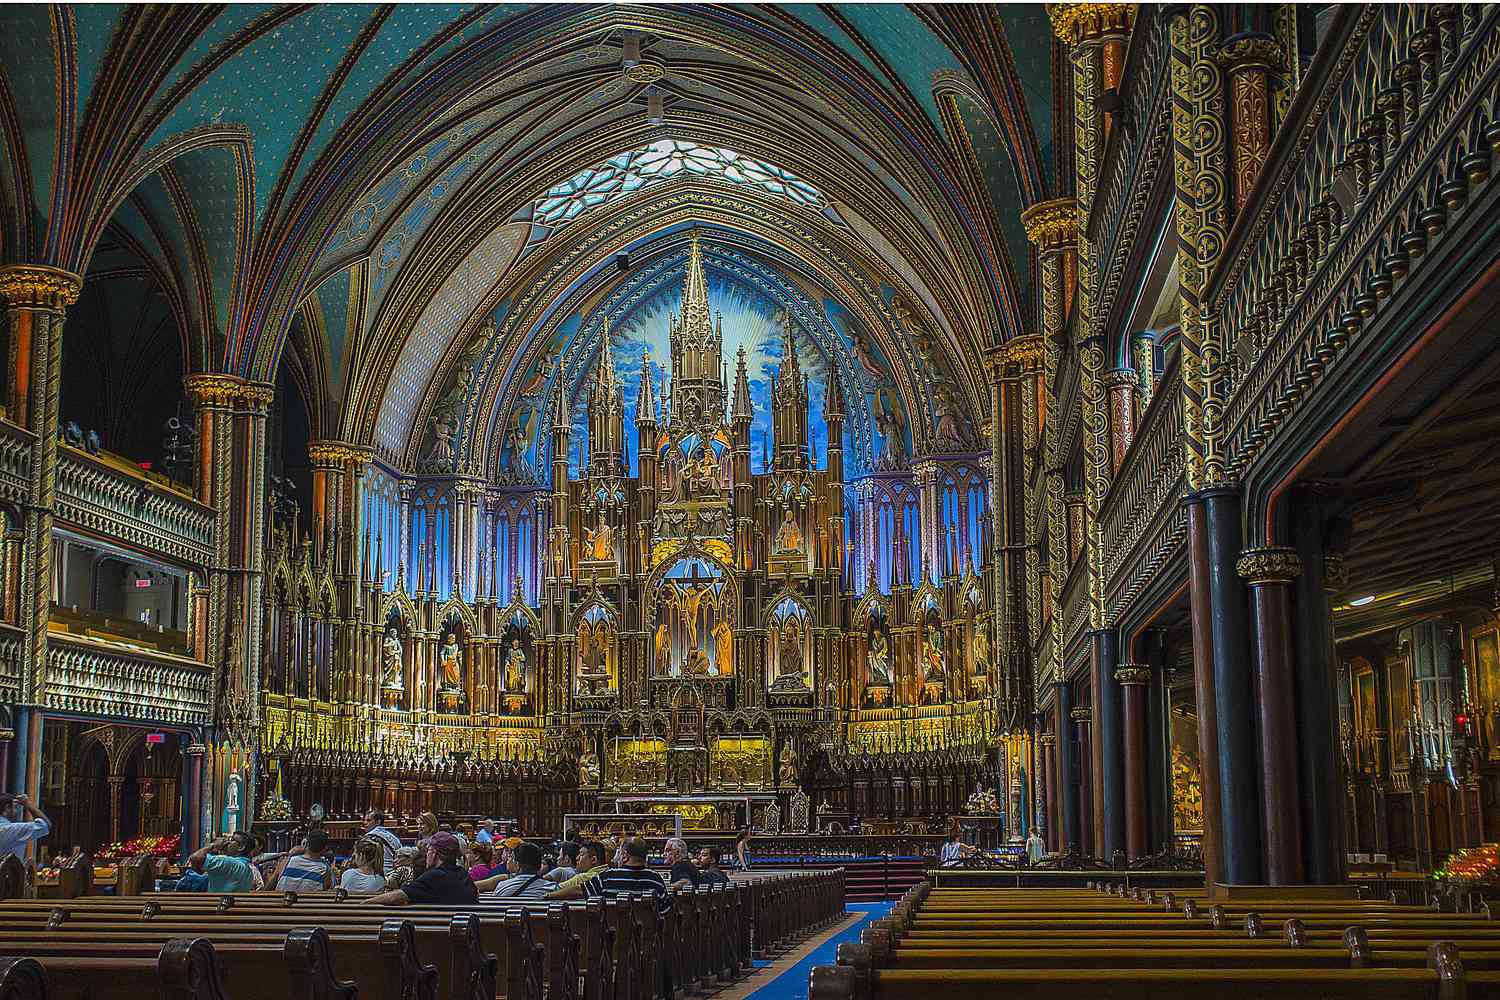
{"points": [[330, 946], [1105, 941]]}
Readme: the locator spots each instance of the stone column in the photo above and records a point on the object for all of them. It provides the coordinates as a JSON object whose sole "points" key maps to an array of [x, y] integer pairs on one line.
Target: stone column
{"points": [[1133, 679], [1108, 753], [1088, 832], [1248, 59], [36, 301], [1270, 572], [1123, 386], [1014, 369]]}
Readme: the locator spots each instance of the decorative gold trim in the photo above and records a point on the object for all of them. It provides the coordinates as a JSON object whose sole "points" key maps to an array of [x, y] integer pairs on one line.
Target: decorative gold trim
{"points": [[1052, 225], [1335, 573], [1023, 353], [211, 389], [1269, 564], [1076, 23], [1083, 715], [37, 286], [334, 453], [1133, 673], [1245, 51]]}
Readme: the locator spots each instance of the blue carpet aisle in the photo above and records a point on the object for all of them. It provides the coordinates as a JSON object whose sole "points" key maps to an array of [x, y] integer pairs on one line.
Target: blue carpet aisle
{"points": [[791, 984]]}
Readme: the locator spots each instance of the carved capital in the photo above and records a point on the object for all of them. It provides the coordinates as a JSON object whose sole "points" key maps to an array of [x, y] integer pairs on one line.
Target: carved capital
{"points": [[1018, 357], [1133, 673], [1270, 564], [196, 749], [332, 454], [1082, 716], [1251, 50], [36, 286], [1335, 573], [1077, 23], [213, 390], [1052, 225], [1118, 378]]}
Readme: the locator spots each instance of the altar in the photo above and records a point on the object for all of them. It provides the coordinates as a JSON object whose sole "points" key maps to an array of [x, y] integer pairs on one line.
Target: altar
{"points": [[699, 813]]}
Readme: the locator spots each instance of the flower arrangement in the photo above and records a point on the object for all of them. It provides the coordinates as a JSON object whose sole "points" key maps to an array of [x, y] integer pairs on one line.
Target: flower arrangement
{"points": [[156, 847], [276, 809], [1472, 864], [982, 803]]}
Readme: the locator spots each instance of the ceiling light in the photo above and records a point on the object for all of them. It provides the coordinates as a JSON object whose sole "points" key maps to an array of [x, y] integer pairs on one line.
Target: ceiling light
{"points": [[1360, 602]]}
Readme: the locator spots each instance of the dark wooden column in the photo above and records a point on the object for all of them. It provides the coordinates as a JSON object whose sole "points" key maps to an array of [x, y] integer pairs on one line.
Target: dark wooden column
{"points": [[1134, 678], [1201, 599], [1088, 834], [1110, 753], [1270, 571], [1239, 791], [1067, 767]]}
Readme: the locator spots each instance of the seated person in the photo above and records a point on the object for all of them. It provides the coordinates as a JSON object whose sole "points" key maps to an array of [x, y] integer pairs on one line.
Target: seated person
{"points": [[306, 868], [481, 865], [709, 859], [365, 874], [444, 883], [592, 860], [226, 863], [683, 874], [567, 863], [524, 879], [631, 876]]}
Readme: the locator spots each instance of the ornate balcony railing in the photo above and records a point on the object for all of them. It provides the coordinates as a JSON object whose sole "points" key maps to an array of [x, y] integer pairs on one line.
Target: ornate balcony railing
{"points": [[15, 462], [1142, 518], [1392, 131], [10, 662], [103, 678], [1136, 158], [114, 502]]}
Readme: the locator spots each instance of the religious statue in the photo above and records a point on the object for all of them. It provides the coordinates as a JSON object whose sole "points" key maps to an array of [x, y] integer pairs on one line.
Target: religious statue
{"points": [[787, 775], [935, 670], [800, 805], [723, 664], [232, 804], [789, 535], [770, 819], [515, 668], [708, 471], [689, 602], [390, 660], [981, 651], [588, 769], [448, 662], [663, 651], [880, 658], [444, 426], [789, 667], [892, 444], [600, 541], [948, 425]]}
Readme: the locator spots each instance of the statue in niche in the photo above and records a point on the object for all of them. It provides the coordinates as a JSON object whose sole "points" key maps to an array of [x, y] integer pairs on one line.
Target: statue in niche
{"points": [[390, 660], [515, 668], [723, 664], [789, 535], [892, 444], [588, 769], [690, 602], [787, 775], [448, 663], [232, 804], [519, 437], [444, 427], [770, 819], [947, 423], [934, 659], [981, 651], [880, 657], [789, 667], [800, 805], [708, 472], [600, 540], [663, 651]]}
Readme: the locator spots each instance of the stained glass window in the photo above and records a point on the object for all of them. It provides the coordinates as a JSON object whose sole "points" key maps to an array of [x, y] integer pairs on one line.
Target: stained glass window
{"points": [[660, 161]]}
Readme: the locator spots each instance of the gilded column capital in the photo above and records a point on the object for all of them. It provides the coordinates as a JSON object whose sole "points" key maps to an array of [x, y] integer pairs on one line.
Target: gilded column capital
{"points": [[1251, 49], [37, 286], [1052, 225], [1269, 564], [1078, 23], [1118, 378], [1083, 716], [213, 389], [1017, 357], [1133, 673], [331, 454], [258, 395]]}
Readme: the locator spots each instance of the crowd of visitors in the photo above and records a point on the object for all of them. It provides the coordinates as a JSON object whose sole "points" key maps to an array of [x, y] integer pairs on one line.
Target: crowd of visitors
{"points": [[444, 867]]}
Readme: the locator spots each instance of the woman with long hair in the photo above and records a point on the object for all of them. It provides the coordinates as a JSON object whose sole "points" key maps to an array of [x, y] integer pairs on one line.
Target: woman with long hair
{"points": [[366, 873]]}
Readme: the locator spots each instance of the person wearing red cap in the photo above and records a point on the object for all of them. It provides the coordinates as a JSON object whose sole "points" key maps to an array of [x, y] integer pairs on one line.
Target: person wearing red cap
{"points": [[444, 883]]}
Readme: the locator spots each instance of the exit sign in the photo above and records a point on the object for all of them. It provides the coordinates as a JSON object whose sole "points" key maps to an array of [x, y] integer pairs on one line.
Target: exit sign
{"points": [[156, 738], [142, 582]]}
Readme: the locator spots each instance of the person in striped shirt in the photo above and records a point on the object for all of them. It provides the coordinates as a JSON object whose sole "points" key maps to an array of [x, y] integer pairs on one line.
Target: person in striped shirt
{"points": [[306, 868], [630, 876]]}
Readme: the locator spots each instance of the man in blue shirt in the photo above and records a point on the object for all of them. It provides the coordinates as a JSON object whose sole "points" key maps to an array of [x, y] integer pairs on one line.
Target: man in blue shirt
{"points": [[20, 823], [226, 862], [486, 834]]}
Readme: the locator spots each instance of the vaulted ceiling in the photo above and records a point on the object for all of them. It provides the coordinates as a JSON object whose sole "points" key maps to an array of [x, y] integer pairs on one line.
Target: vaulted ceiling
{"points": [[361, 190]]}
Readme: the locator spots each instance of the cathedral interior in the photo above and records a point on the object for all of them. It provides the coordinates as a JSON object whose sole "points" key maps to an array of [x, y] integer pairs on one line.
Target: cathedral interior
{"points": [[826, 419]]}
